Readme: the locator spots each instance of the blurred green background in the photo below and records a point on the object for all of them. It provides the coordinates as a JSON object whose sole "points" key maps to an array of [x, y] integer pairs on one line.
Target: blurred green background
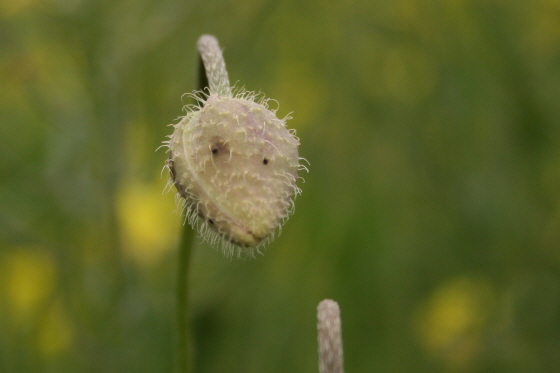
{"points": [[431, 212]]}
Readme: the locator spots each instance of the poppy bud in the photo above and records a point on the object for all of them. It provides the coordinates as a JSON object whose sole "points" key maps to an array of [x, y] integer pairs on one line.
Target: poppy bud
{"points": [[235, 164]]}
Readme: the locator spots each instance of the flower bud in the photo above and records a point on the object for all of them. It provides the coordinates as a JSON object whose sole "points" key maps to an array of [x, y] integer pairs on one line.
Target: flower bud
{"points": [[235, 164]]}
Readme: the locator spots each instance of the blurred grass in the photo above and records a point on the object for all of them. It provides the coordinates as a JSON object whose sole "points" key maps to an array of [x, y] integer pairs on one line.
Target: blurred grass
{"points": [[431, 212]]}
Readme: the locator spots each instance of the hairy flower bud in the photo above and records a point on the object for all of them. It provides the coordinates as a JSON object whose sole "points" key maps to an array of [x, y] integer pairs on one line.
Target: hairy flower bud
{"points": [[235, 165]]}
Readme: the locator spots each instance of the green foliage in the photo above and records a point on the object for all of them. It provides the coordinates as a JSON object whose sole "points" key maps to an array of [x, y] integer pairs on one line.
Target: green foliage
{"points": [[431, 212]]}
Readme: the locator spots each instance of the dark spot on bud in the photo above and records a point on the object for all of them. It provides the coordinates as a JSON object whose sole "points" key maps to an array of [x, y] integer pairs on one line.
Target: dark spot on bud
{"points": [[265, 161], [218, 146], [210, 221]]}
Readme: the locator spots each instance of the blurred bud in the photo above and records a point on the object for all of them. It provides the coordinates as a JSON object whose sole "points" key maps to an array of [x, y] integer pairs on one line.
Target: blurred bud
{"points": [[329, 336]]}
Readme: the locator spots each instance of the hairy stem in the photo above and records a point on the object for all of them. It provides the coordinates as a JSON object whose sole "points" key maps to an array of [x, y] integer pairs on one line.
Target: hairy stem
{"points": [[214, 65], [330, 340]]}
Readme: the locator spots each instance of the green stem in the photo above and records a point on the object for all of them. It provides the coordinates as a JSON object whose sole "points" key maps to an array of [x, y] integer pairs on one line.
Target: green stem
{"points": [[184, 343]]}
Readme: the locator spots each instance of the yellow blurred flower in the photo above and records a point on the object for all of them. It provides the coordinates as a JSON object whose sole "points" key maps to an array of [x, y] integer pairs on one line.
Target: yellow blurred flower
{"points": [[148, 227], [28, 278], [451, 320]]}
